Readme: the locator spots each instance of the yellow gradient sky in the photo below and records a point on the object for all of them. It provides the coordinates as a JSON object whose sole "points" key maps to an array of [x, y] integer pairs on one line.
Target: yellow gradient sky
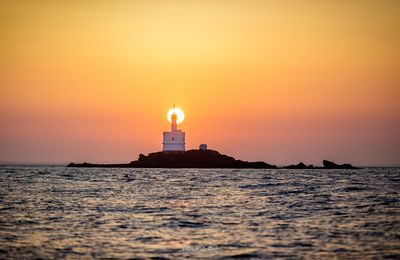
{"points": [[279, 81]]}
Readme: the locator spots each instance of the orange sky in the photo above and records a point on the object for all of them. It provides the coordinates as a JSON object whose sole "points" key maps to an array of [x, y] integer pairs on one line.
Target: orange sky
{"points": [[279, 81]]}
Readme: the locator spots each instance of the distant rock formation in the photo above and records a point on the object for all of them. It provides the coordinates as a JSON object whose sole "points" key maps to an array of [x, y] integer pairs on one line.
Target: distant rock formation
{"points": [[299, 166], [327, 165], [332, 165], [188, 159], [203, 159]]}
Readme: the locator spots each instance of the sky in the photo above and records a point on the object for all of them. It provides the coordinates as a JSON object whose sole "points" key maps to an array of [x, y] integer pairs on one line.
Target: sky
{"points": [[278, 81]]}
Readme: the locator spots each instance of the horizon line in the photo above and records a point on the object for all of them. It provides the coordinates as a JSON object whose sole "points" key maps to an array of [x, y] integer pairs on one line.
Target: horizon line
{"points": [[4, 163]]}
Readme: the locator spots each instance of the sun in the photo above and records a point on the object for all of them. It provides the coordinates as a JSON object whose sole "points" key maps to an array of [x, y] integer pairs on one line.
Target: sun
{"points": [[179, 114]]}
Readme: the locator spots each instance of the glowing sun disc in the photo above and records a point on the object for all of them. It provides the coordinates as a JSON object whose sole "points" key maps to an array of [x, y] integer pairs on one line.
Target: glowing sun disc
{"points": [[180, 116]]}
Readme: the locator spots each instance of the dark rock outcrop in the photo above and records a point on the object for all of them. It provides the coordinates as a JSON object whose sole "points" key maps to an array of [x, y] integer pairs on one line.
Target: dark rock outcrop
{"points": [[188, 159], [332, 165], [327, 165], [299, 166], [203, 159]]}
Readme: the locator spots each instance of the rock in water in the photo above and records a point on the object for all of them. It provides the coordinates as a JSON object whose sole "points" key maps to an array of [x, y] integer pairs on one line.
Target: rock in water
{"points": [[299, 166], [187, 159], [332, 165]]}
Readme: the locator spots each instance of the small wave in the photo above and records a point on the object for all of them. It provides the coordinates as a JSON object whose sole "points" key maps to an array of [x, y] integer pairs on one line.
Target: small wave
{"points": [[243, 256], [146, 239], [286, 192], [6, 208], [187, 224], [260, 186], [353, 188]]}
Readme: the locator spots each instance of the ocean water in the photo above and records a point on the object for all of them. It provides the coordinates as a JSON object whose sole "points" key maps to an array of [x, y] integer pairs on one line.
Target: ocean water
{"points": [[73, 213]]}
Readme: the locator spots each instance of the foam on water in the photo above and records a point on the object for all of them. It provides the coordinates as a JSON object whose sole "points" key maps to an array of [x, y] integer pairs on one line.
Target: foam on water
{"points": [[57, 212]]}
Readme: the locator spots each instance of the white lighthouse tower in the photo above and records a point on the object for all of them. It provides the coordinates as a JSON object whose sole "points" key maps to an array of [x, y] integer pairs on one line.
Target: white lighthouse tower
{"points": [[174, 141]]}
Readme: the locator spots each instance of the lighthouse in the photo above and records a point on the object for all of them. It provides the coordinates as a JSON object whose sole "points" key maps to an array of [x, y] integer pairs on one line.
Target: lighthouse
{"points": [[174, 141]]}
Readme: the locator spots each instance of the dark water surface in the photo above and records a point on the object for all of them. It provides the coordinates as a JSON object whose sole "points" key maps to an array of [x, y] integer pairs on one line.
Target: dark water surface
{"points": [[57, 212]]}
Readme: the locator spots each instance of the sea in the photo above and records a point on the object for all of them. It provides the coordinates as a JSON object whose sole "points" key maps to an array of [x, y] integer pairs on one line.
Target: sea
{"points": [[54, 212]]}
